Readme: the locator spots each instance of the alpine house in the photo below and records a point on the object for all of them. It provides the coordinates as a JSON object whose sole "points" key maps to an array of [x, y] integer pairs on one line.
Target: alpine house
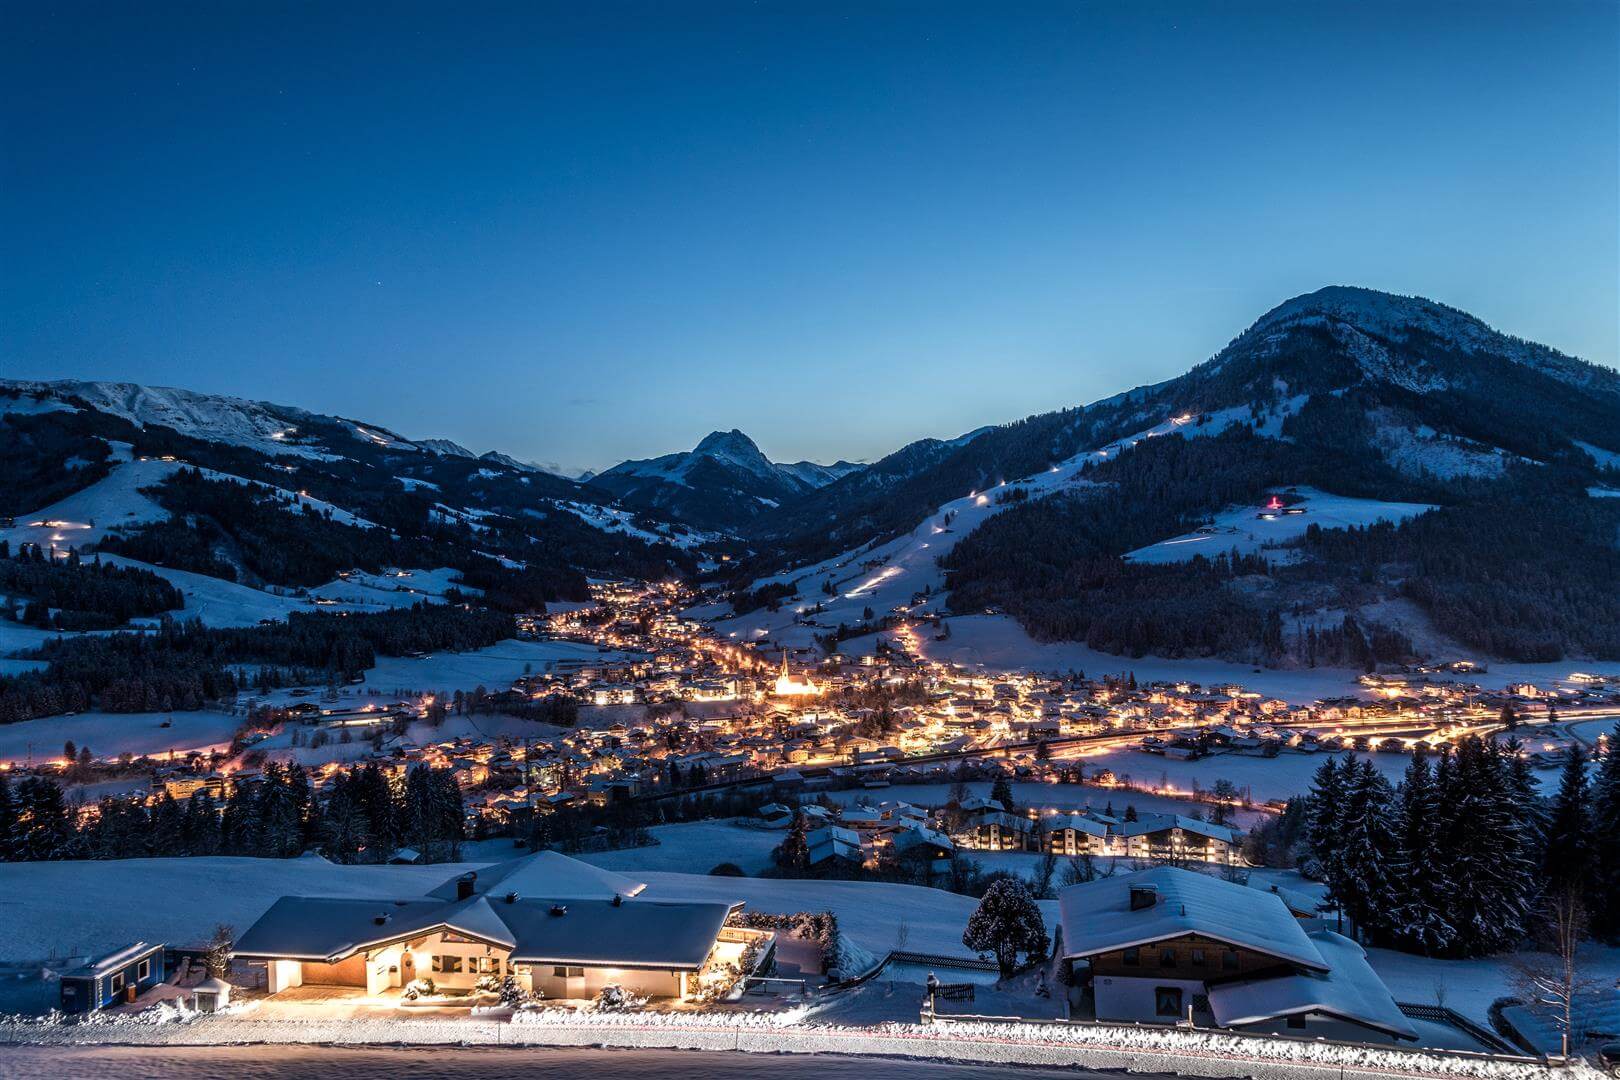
{"points": [[1171, 945], [558, 927]]}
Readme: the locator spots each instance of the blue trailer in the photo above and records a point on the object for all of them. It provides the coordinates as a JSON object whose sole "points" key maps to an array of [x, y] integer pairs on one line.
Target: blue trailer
{"points": [[116, 977]]}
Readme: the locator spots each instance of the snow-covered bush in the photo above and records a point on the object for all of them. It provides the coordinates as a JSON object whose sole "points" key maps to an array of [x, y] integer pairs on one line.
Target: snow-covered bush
{"points": [[514, 995], [423, 987], [619, 999], [487, 984]]}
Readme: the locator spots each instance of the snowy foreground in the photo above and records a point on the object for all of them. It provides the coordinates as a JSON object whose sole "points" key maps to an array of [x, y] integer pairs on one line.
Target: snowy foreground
{"points": [[1092, 1046]]}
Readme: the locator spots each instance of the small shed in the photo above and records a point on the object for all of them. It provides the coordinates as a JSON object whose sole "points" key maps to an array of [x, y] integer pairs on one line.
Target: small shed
{"points": [[211, 995], [116, 977]]}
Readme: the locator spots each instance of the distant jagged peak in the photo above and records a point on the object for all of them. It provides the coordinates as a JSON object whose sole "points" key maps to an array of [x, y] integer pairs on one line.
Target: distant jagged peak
{"points": [[732, 446], [445, 448]]}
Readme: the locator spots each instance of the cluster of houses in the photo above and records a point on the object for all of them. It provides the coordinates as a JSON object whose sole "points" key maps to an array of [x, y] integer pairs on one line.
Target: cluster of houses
{"points": [[861, 836], [666, 704]]}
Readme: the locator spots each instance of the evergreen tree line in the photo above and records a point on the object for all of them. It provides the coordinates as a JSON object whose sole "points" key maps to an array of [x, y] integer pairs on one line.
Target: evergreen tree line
{"points": [[183, 664], [365, 817], [87, 596], [1458, 858]]}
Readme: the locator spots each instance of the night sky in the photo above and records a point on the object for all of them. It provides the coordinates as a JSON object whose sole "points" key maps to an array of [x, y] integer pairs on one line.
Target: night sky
{"points": [[596, 231]]}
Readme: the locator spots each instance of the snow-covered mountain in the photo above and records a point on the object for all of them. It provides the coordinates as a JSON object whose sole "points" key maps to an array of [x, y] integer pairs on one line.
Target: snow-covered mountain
{"points": [[356, 465], [723, 482], [1413, 321]]}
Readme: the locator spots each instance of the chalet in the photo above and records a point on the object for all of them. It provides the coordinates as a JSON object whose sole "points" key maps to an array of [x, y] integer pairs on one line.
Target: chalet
{"points": [[1172, 836], [831, 845], [1074, 834], [556, 925], [112, 979], [1169, 945], [998, 832]]}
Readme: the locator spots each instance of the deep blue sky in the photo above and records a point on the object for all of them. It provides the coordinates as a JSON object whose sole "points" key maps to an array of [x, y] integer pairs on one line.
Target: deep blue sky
{"points": [[598, 231]]}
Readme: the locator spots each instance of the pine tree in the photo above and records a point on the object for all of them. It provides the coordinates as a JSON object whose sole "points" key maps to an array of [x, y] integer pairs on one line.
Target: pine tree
{"points": [[1567, 857], [1418, 921], [793, 854], [1487, 849], [1006, 923], [8, 821], [1605, 894], [1369, 845], [45, 830], [1323, 825]]}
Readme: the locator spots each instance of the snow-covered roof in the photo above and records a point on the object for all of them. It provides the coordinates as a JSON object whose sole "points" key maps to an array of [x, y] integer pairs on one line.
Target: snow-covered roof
{"points": [[1300, 903], [1078, 822], [321, 928], [638, 933], [1153, 823], [112, 961], [545, 873], [1097, 916], [1350, 989], [632, 933]]}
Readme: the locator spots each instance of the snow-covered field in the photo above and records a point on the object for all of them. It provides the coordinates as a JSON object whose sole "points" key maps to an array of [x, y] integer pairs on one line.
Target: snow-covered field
{"points": [[222, 603], [1043, 797], [997, 642], [695, 847], [1262, 778], [110, 734], [1251, 529], [85, 516]]}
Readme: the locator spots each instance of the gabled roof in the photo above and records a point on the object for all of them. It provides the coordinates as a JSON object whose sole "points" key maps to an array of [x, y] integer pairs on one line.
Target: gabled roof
{"points": [[322, 928], [1077, 822], [1097, 916], [1350, 990], [631, 933], [549, 874], [1153, 823], [113, 961]]}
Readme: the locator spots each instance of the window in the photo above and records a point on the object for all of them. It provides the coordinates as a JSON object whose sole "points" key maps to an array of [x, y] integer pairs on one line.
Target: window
{"points": [[143, 969], [1297, 1020], [1167, 958], [1167, 1001], [1198, 958], [1229, 960], [115, 985], [1133, 957], [568, 972], [447, 965]]}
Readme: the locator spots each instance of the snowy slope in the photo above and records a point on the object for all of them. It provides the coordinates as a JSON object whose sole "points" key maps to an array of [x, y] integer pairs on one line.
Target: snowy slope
{"points": [[85, 516], [1251, 529], [888, 575]]}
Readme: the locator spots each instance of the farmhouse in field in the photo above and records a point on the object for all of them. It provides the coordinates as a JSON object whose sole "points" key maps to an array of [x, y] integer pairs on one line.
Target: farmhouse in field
{"points": [[556, 926], [1166, 944]]}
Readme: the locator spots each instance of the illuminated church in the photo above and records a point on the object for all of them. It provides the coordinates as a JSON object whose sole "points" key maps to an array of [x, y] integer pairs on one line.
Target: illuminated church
{"points": [[788, 686]]}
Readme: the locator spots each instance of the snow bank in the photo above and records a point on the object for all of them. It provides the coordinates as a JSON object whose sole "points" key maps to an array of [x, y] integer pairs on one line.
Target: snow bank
{"points": [[1083, 1045]]}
